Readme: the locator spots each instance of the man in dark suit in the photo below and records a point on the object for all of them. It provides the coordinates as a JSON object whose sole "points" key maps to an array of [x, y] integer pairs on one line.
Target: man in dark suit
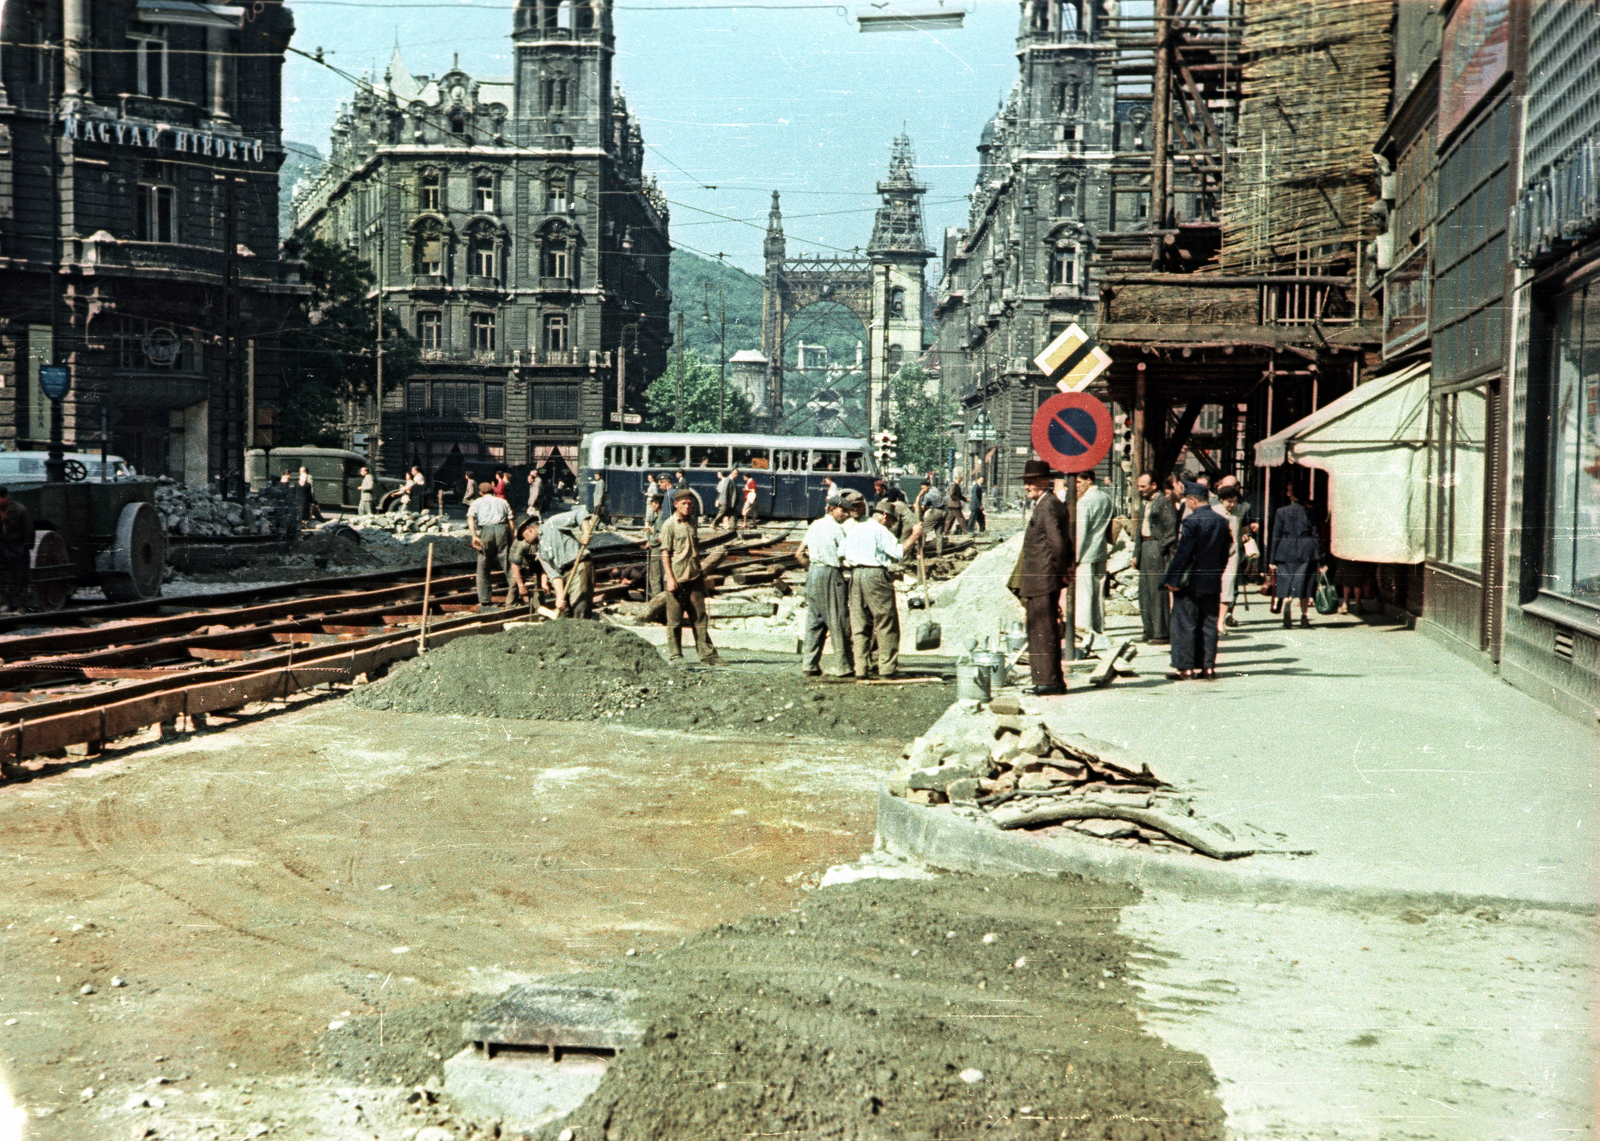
{"points": [[1204, 543], [1157, 528], [1043, 567]]}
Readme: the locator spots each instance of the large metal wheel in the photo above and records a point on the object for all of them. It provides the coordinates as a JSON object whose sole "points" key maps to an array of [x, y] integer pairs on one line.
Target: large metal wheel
{"points": [[135, 565], [52, 575]]}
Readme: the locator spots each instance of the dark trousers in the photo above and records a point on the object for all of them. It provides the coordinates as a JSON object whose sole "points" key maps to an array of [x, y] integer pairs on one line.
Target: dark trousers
{"points": [[827, 616], [1153, 601], [686, 606], [977, 522], [496, 553], [933, 526], [1044, 638], [14, 570], [1194, 630]]}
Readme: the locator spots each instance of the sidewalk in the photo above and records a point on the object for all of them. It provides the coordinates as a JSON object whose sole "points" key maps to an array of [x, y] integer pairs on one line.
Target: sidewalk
{"points": [[1406, 770]]}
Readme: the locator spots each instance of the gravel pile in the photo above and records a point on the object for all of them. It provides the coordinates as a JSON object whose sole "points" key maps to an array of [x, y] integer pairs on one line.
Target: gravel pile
{"points": [[199, 511], [590, 671]]}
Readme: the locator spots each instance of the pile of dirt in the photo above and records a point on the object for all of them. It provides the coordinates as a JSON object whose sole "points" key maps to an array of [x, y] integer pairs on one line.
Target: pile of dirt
{"points": [[406, 1046], [887, 1009], [586, 671]]}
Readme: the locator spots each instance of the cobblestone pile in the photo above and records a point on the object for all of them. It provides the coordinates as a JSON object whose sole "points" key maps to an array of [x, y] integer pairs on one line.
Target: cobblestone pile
{"points": [[200, 511]]}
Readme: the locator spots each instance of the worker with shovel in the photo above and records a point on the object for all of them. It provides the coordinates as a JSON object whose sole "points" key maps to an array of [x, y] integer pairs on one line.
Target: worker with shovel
{"points": [[564, 553]]}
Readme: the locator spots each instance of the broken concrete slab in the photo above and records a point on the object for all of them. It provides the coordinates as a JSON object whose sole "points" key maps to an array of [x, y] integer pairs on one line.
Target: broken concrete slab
{"points": [[556, 1017], [523, 1091]]}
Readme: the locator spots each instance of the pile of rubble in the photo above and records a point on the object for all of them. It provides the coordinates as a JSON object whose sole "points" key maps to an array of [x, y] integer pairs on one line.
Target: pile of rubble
{"points": [[408, 524], [1015, 773], [200, 511]]}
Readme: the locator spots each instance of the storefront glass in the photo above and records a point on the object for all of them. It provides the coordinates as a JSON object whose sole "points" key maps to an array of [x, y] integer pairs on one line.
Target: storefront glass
{"points": [[1456, 479], [1572, 545]]}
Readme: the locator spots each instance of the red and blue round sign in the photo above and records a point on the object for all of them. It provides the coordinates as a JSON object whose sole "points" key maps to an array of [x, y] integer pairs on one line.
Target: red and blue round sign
{"points": [[1072, 431]]}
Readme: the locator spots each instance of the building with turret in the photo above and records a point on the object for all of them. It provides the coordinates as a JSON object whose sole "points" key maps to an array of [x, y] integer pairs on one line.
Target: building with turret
{"points": [[513, 229]]}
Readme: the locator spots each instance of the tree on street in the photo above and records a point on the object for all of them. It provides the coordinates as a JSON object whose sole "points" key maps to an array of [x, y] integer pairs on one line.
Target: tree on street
{"points": [[920, 421], [700, 400]]}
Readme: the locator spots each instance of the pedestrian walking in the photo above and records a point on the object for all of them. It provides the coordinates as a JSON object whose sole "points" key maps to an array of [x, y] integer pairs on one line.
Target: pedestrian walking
{"points": [[1296, 549], [16, 551], [369, 484], [1194, 577], [502, 483], [977, 518], [685, 582], [657, 515], [489, 523], [1158, 538], [883, 489], [566, 562], [597, 497], [416, 490], [309, 507], [1094, 551], [535, 492], [821, 552], [1226, 503], [469, 489], [955, 510], [1248, 563], [1044, 567], [747, 509], [931, 511], [873, 555]]}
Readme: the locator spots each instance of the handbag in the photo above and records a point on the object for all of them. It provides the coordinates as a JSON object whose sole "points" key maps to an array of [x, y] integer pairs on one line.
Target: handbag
{"points": [[1269, 581], [1326, 599]]}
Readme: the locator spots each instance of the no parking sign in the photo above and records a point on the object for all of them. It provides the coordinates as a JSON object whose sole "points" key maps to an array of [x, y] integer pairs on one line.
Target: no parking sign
{"points": [[1072, 431]]}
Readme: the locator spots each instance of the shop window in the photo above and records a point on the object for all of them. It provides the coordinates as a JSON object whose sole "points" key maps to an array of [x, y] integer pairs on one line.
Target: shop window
{"points": [[553, 402], [483, 332], [455, 399], [1572, 531], [416, 396], [1456, 479], [430, 330]]}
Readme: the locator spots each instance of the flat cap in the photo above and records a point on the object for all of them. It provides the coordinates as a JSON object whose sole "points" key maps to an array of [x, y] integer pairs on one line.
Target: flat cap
{"points": [[682, 493], [1194, 490], [837, 501], [883, 507]]}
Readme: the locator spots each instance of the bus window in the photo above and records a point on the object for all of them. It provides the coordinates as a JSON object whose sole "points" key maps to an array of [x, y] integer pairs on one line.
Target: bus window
{"points": [[789, 459], [854, 462], [824, 461], [666, 455], [708, 457], [624, 455], [750, 458]]}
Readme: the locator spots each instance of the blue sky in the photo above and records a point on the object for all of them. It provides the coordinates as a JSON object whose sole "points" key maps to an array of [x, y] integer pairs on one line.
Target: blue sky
{"points": [[745, 99]]}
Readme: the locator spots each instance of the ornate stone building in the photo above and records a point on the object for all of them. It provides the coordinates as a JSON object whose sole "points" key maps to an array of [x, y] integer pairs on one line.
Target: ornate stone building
{"points": [[512, 226], [144, 137], [1015, 275]]}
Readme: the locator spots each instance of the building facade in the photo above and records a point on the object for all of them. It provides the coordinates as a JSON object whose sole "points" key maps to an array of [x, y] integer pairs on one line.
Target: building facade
{"points": [[139, 148], [511, 226], [1017, 273]]}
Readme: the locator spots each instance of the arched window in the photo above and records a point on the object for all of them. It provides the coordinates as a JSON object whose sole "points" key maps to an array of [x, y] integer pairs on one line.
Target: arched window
{"points": [[429, 251], [897, 302], [556, 257], [481, 258]]}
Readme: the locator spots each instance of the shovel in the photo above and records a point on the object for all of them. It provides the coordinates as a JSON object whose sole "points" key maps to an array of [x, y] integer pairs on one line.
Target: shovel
{"points": [[929, 633]]}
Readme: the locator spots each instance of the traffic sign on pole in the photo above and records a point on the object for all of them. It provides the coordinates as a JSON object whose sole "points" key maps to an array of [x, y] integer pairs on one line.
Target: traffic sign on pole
{"points": [[54, 380], [1072, 431], [1073, 360]]}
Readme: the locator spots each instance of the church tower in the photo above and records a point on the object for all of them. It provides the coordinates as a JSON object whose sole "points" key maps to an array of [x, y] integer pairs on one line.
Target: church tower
{"points": [[563, 73], [899, 255]]}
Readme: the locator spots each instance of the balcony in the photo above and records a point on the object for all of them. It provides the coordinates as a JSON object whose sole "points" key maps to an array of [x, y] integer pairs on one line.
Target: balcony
{"points": [[483, 284], [552, 357], [427, 281], [557, 284]]}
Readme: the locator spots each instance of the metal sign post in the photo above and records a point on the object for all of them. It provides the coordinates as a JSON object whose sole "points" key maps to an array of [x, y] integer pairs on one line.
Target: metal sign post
{"points": [[54, 381]]}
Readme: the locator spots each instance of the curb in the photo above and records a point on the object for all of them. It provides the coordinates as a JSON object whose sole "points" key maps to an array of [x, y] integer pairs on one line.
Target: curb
{"points": [[949, 842]]}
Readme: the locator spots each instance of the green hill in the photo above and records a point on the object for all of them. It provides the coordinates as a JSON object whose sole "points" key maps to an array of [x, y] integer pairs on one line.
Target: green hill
{"points": [[300, 161]]}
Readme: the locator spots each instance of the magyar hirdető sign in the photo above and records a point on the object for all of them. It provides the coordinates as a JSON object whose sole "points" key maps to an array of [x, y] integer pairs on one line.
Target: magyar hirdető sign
{"points": [[162, 137]]}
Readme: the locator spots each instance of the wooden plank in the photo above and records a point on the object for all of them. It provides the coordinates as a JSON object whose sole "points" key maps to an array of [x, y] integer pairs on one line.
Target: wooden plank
{"points": [[136, 713], [48, 734]]}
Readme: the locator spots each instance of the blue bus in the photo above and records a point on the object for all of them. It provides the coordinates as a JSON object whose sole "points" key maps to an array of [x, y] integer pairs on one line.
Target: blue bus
{"points": [[788, 470]]}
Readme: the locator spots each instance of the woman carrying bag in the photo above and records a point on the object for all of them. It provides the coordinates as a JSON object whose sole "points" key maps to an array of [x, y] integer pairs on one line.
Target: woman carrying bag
{"points": [[1295, 553]]}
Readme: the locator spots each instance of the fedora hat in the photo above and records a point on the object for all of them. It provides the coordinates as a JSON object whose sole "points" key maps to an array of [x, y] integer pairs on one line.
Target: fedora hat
{"points": [[1038, 469]]}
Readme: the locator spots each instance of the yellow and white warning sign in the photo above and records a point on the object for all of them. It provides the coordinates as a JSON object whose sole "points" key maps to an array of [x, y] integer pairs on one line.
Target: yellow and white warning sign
{"points": [[1073, 360]]}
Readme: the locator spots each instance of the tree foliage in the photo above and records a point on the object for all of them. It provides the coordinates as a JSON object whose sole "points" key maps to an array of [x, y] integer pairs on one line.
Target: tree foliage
{"points": [[331, 357], [921, 422], [700, 400]]}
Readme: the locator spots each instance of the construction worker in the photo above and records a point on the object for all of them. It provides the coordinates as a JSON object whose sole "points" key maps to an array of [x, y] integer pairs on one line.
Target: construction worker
{"points": [[931, 508], [685, 582], [827, 596], [16, 550], [489, 523], [873, 554], [524, 560], [564, 556]]}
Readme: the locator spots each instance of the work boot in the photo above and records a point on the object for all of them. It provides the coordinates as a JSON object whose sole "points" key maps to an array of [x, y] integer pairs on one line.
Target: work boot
{"points": [[674, 646]]}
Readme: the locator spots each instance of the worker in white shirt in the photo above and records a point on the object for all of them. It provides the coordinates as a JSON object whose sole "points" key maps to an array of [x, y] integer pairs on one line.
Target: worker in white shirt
{"points": [[489, 522], [827, 598], [872, 552]]}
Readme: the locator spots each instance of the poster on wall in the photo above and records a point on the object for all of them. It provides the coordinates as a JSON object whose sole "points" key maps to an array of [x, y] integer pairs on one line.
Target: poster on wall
{"points": [[1472, 58]]}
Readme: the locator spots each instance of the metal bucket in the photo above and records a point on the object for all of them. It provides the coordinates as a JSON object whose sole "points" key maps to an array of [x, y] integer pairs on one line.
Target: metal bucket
{"points": [[972, 682], [993, 665], [1016, 638]]}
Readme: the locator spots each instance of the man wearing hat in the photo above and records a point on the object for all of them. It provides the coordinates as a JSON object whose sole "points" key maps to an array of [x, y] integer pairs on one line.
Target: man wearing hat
{"points": [[1195, 579], [685, 581], [872, 552], [564, 556], [1044, 567], [821, 552], [655, 522]]}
